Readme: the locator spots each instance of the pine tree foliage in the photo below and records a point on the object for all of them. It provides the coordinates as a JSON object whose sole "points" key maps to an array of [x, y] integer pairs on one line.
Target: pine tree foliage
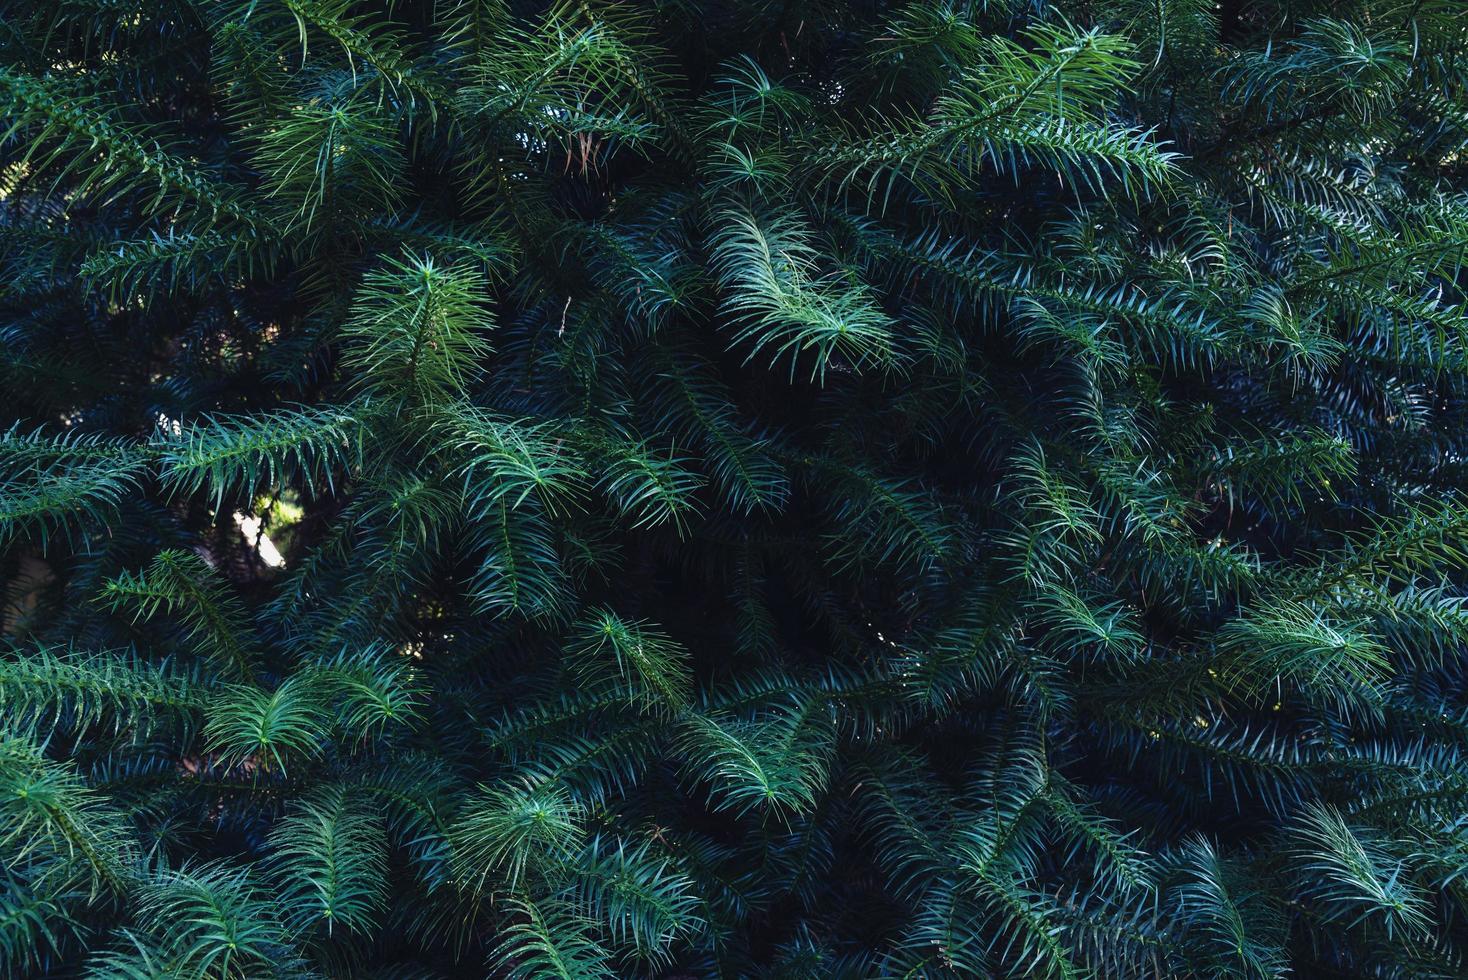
{"points": [[625, 489]]}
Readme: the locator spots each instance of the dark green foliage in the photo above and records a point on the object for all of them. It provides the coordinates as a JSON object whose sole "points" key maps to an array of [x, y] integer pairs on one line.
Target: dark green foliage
{"points": [[927, 489]]}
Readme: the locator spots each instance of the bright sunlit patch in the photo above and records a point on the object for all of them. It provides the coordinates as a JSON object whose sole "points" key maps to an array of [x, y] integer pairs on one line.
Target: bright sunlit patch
{"points": [[250, 527]]}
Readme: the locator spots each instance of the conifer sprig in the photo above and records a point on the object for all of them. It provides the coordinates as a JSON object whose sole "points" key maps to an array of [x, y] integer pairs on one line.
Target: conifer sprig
{"points": [[606, 489]]}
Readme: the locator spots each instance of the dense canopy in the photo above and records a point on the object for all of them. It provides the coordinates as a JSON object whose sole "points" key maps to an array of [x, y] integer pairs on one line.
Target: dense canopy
{"points": [[747, 489]]}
